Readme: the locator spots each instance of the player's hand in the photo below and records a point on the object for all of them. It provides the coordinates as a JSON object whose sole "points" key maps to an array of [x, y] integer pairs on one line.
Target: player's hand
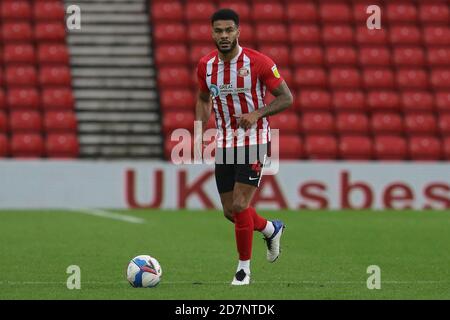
{"points": [[246, 120]]}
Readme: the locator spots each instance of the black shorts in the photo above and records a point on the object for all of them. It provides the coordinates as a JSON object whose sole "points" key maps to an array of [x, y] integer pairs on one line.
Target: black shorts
{"points": [[240, 164]]}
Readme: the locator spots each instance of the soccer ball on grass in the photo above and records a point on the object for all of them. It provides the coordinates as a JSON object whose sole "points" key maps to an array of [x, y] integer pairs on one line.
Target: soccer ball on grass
{"points": [[144, 272]]}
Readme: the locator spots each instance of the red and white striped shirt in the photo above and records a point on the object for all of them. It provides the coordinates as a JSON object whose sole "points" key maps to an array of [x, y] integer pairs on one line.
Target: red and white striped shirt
{"points": [[236, 87]]}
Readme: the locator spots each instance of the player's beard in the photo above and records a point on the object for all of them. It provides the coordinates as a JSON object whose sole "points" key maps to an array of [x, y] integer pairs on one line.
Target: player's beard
{"points": [[232, 46]]}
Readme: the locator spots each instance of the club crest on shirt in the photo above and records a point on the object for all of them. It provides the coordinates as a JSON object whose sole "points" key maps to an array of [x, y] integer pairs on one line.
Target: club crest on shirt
{"points": [[243, 72], [275, 72]]}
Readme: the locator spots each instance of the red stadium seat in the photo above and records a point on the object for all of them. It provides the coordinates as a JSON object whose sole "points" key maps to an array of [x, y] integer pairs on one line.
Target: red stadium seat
{"points": [[171, 54], [335, 12], [19, 53], [242, 8], [352, 123], [305, 55], [1, 76], [436, 35], [311, 77], [291, 147], [169, 32], [4, 146], [440, 78], [341, 56], [167, 11], [199, 32], [405, 35], [2, 99], [268, 11], [444, 124], [445, 147], [383, 100], [21, 76], [170, 77], [286, 73], [62, 146], [279, 53], [199, 51], [322, 147], [178, 99], [355, 148], [60, 121], [17, 31], [313, 100], [199, 10], [15, 10], [439, 56], [247, 37], [420, 123], [3, 123], [386, 123], [301, 12], [173, 120], [388, 147], [411, 56], [50, 31], [58, 98], [318, 122], [435, 12], [304, 34], [21, 98], [376, 78], [417, 101], [25, 121], [49, 10], [55, 76], [375, 56], [412, 79], [425, 148], [271, 33], [337, 34], [27, 145], [401, 12], [342, 78], [53, 53], [349, 100], [442, 99], [375, 37], [286, 122]]}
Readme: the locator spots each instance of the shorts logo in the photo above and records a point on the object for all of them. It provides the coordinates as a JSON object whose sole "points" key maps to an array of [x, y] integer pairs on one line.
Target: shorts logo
{"points": [[275, 72], [256, 167], [243, 72], [214, 90]]}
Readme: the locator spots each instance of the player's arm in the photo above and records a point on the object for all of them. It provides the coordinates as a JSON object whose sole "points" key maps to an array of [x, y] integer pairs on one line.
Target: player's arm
{"points": [[283, 100], [203, 108]]}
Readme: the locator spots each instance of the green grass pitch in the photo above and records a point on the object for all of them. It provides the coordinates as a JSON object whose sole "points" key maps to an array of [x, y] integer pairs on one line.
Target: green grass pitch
{"points": [[325, 255]]}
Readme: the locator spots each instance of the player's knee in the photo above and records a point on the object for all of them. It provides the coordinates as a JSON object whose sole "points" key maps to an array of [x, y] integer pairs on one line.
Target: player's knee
{"points": [[228, 213], [239, 206]]}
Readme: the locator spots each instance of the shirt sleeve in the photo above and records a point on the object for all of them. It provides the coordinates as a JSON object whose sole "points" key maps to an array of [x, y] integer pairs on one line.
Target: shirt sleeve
{"points": [[269, 74], [201, 75]]}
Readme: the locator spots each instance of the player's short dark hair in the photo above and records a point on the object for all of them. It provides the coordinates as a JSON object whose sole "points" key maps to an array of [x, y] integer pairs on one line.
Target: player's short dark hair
{"points": [[225, 14]]}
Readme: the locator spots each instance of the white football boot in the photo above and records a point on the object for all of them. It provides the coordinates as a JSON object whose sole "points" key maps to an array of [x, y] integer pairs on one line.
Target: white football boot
{"points": [[241, 278], [273, 243]]}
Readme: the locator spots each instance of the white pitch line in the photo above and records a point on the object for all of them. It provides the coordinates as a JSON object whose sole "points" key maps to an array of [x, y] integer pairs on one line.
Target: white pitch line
{"points": [[107, 214], [222, 282]]}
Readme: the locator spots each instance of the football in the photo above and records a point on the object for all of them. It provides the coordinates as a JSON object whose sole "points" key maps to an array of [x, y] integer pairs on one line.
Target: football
{"points": [[144, 272]]}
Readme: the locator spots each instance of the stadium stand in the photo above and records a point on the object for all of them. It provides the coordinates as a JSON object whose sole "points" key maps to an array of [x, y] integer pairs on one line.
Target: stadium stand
{"points": [[35, 79], [359, 94]]}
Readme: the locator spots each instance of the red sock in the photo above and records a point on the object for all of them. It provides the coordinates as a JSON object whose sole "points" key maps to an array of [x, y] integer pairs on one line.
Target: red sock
{"points": [[243, 227], [258, 221]]}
